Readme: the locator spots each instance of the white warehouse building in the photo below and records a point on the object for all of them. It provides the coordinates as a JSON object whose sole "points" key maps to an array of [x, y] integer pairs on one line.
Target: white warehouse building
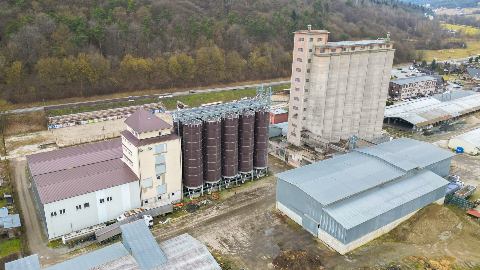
{"points": [[82, 186], [351, 199], [469, 141]]}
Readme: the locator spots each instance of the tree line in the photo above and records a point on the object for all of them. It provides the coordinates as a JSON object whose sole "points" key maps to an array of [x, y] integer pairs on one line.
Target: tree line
{"points": [[57, 49]]}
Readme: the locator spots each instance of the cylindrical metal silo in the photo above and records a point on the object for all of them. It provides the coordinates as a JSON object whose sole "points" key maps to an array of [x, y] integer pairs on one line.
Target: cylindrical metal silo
{"points": [[192, 154], [212, 150], [261, 140], [246, 127], [230, 146]]}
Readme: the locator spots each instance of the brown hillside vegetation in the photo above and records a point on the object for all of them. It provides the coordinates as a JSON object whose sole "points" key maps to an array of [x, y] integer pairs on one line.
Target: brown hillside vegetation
{"points": [[59, 49]]}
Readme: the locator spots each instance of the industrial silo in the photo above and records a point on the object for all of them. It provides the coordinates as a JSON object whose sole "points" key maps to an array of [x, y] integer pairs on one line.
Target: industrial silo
{"points": [[212, 150], [246, 127], [230, 146], [192, 154], [261, 140]]}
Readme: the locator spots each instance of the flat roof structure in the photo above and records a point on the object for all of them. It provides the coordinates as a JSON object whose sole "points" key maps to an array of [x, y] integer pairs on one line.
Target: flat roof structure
{"points": [[138, 250], [409, 80], [432, 110], [346, 199], [356, 43], [73, 171]]}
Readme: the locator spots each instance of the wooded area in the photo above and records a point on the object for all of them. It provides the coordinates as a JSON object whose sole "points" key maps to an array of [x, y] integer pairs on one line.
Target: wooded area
{"points": [[56, 49]]}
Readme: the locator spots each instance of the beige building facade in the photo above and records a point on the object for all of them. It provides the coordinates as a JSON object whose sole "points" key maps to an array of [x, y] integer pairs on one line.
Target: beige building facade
{"points": [[339, 89], [153, 153]]}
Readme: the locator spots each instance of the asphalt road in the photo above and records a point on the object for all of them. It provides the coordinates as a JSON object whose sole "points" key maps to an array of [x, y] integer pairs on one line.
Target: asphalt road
{"points": [[179, 93]]}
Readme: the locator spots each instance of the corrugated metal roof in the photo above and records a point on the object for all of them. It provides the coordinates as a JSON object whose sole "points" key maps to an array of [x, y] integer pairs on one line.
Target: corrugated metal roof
{"points": [[139, 241], [92, 259], [343, 176], [26, 263], [73, 171], [381, 199], [144, 121], [472, 137], [408, 80], [187, 253], [10, 221], [430, 110], [473, 72]]}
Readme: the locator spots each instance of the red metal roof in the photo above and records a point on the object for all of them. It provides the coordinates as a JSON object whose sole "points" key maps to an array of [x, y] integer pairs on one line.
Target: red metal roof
{"points": [[73, 171], [474, 213], [144, 121]]}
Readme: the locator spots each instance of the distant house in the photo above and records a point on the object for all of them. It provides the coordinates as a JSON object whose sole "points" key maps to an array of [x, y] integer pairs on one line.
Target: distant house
{"points": [[474, 73], [9, 223], [420, 86]]}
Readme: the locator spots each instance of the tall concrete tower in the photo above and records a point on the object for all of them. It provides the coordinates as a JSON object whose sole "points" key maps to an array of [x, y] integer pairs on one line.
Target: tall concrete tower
{"points": [[338, 89]]}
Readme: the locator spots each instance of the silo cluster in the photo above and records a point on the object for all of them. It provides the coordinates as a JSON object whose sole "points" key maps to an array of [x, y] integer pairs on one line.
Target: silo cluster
{"points": [[227, 146]]}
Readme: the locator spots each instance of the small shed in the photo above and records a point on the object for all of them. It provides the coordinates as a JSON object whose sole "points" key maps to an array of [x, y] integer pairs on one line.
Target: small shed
{"points": [[278, 116]]}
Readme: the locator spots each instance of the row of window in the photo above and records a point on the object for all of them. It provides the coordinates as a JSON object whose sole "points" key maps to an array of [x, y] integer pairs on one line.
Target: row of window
{"points": [[311, 39], [298, 80], [300, 49], [79, 207]]}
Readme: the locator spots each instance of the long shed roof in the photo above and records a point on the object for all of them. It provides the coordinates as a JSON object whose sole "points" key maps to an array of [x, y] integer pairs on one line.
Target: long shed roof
{"points": [[344, 176], [430, 110], [73, 171], [472, 137]]}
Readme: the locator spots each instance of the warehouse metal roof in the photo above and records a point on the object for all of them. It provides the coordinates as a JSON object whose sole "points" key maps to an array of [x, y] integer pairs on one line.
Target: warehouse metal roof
{"points": [[179, 253], [347, 175], [408, 80], [139, 241], [472, 137], [381, 199], [73, 171], [25, 263], [93, 259], [430, 110], [145, 121]]}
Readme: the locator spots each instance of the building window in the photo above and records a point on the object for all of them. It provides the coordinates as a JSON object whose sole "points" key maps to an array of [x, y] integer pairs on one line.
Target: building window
{"points": [[322, 50], [371, 47], [309, 60], [102, 200], [310, 50], [333, 50], [308, 70], [311, 39], [307, 80], [109, 199], [62, 211], [145, 201], [300, 49], [353, 48], [297, 79], [301, 39], [295, 107], [306, 90], [344, 49], [297, 88], [299, 59], [296, 98], [53, 214], [319, 39], [79, 207], [298, 69], [86, 205]]}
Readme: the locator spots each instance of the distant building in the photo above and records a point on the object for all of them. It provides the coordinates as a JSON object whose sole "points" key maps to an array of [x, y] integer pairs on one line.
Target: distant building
{"points": [[82, 186], [338, 89], [469, 141], [351, 199], [278, 116], [138, 250], [474, 73], [9, 223], [420, 86]]}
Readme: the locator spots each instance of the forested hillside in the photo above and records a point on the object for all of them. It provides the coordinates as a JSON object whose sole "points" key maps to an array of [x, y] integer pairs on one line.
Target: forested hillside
{"points": [[54, 49]]}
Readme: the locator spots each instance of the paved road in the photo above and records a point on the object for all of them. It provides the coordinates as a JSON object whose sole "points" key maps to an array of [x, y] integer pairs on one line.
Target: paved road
{"points": [[35, 236], [179, 93]]}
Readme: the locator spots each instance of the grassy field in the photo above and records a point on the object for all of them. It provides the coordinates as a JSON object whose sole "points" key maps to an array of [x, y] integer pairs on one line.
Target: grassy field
{"points": [[468, 31], [10, 246], [473, 49]]}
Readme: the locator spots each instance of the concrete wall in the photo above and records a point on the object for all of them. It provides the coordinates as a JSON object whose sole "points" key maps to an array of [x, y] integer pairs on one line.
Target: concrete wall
{"points": [[124, 197], [414, 89], [348, 94]]}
